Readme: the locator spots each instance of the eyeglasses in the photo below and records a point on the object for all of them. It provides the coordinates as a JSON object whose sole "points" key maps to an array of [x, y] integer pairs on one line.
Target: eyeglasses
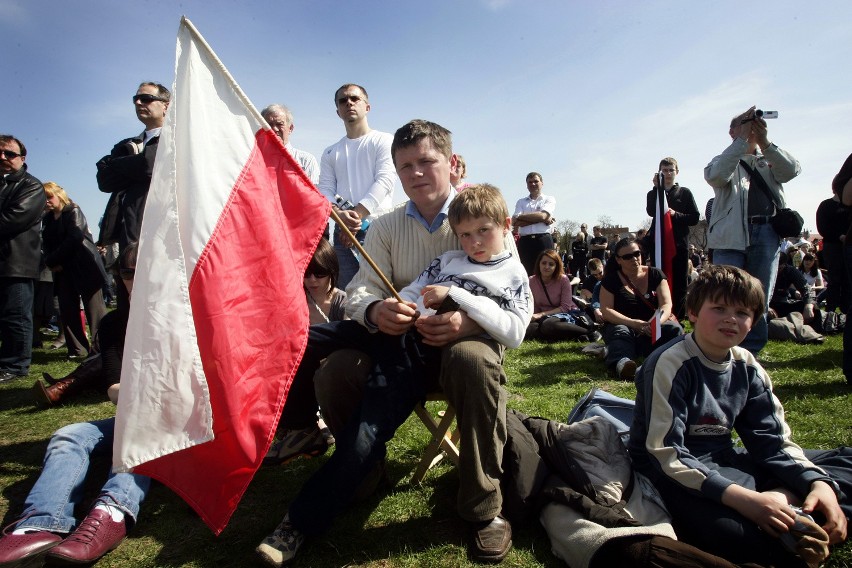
{"points": [[349, 99], [317, 274], [127, 273], [631, 255], [145, 98], [9, 155]]}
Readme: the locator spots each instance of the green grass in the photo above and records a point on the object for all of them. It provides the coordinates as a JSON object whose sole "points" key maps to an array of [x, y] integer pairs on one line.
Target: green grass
{"points": [[405, 525]]}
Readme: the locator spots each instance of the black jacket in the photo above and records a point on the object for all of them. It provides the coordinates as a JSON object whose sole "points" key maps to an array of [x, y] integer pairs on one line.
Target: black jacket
{"points": [[126, 173], [680, 200], [68, 243], [22, 201]]}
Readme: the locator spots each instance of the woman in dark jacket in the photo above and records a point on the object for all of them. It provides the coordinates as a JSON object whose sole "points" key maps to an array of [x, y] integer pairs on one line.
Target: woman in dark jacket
{"points": [[77, 270]]}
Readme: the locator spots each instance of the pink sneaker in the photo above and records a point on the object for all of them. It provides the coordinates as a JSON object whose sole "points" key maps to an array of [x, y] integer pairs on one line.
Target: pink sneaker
{"points": [[96, 535], [26, 549]]}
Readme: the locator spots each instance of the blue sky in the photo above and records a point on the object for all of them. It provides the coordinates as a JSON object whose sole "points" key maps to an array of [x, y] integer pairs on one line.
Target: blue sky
{"points": [[590, 94]]}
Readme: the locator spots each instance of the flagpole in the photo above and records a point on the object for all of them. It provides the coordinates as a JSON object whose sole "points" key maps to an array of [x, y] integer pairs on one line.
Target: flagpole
{"points": [[243, 98], [364, 254]]}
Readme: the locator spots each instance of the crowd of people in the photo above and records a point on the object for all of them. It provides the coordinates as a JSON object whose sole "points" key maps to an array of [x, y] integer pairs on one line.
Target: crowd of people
{"points": [[474, 279]]}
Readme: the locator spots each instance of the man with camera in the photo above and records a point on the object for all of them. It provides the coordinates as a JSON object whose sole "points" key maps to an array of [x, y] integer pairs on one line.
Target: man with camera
{"points": [[740, 231]]}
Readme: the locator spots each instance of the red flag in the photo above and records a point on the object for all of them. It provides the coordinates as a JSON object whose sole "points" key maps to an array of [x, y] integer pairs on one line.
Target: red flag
{"points": [[218, 320], [664, 243]]}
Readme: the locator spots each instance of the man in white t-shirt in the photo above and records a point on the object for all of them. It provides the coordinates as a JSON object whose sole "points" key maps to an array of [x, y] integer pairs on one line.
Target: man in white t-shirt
{"points": [[533, 217], [359, 169]]}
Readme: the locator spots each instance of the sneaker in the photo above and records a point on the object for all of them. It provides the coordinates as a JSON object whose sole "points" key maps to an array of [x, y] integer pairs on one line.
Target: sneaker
{"points": [[325, 431], [281, 546], [307, 442], [806, 539], [626, 369]]}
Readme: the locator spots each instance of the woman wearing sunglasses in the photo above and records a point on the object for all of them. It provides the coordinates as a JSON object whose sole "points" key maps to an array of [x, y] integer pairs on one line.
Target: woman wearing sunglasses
{"points": [[630, 295]]}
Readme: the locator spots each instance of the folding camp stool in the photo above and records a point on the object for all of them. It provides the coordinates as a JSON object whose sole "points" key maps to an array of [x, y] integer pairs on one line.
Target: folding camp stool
{"points": [[444, 440]]}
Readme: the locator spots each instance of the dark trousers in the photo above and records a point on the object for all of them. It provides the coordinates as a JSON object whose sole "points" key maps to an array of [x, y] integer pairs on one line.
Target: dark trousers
{"points": [[396, 385], [838, 292], [530, 246], [69, 297], [16, 325], [720, 530]]}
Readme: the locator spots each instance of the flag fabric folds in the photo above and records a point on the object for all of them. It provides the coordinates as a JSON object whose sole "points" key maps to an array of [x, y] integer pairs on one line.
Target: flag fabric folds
{"points": [[664, 243], [218, 317]]}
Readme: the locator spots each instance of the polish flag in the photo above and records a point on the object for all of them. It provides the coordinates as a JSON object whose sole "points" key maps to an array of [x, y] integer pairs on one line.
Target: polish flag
{"points": [[664, 246], [218, 317]]}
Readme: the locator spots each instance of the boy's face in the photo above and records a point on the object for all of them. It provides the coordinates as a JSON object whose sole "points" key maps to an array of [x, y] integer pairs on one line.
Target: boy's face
{"points": [[720, 326], [480, 237]]}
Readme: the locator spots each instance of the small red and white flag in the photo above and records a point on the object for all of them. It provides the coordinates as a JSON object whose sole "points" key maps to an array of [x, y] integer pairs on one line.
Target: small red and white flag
{"points": [[218, 318]]}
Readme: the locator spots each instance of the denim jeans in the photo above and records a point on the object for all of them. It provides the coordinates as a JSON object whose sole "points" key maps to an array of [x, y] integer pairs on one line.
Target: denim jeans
{"points": [[760, 260], [622, 341], [16, 325], [346, 258], [396, 384], [50, 503]]}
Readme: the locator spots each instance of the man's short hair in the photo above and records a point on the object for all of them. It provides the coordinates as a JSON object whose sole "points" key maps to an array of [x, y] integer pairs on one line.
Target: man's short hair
{"points": [[480, 200], [726, 285], [416, 130], [346, 86], [534, 174], [669, 161], [276, 108], [7, 138], [595, 264], [162, 91]]}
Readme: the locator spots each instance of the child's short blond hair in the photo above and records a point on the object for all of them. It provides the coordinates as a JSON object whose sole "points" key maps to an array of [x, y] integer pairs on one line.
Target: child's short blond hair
{"points": [[727, 285], [480, 200]]}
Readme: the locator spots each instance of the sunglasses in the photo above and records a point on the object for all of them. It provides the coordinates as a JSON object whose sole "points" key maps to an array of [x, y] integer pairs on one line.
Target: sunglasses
{"points": [[127, 273], [631, 255], [145, 98], [317, 274], [349, 99], [9, 155]]}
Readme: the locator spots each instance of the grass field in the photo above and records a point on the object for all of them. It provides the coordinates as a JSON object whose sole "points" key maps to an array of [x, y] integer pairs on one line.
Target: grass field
{"points": [[404, 525]]}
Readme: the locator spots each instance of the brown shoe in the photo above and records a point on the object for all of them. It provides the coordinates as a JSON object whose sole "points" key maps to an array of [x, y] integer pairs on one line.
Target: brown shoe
{"points": [[490, 541], [52, 394]]}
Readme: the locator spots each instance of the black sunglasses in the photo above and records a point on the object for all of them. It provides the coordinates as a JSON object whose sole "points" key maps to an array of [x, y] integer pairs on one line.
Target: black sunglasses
{"points": [[350, 99], [145, 98], [631, 255], [10, 155], [317, 274]]}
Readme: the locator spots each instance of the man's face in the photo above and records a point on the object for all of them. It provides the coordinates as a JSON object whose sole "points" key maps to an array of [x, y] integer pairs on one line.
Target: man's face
{"points": [[669, 174], [534, 184], [597, 231], [150, 113], [352, 106], [8, 164], [278, 122], [424, 173]]}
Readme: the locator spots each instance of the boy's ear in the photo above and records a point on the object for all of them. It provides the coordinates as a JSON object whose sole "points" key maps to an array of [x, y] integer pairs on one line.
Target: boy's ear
{"points": [[692, 316], [507, 225]]}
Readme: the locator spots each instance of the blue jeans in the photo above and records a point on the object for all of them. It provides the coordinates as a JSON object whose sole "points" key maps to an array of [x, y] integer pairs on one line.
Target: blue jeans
{"points": [[16, 325], [760, 260], [346, 258], [50, 503], [622, 341], [396, 384]]}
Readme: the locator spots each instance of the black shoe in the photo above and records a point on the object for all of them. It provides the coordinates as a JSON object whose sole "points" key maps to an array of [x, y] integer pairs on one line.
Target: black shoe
{"points": [[490, 541], [6, 376]]}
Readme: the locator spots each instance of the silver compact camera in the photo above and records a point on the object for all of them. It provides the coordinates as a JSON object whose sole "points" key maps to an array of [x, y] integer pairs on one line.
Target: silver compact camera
{"points": [[765, 114]]}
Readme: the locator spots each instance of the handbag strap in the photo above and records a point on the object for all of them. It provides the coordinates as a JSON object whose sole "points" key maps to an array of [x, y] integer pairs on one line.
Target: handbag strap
{"points": [[544, 287], [757, 179], [636, 292]]}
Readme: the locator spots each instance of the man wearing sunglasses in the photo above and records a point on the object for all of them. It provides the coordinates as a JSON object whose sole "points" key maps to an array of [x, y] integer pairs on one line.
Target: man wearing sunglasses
{"points": [[359, 169], [22, 203], [126, 172]]}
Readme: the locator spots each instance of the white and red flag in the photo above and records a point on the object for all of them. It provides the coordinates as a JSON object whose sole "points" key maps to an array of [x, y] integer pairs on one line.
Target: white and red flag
{"points": [[664, 244], [218, 318]]}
